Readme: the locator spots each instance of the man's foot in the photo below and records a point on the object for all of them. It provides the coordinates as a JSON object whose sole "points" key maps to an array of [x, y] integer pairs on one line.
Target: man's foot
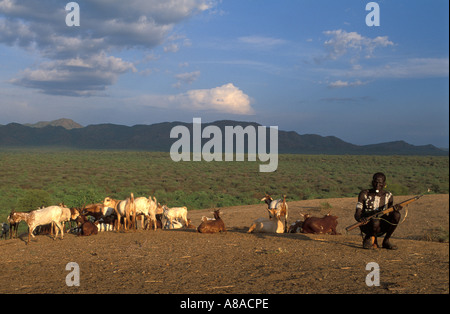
{"points": [[370, 243], [388, 245]]}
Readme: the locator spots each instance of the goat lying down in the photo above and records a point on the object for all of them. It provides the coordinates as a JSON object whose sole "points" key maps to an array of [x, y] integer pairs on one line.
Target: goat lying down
{"points": [[267, 225], [212, 226]]}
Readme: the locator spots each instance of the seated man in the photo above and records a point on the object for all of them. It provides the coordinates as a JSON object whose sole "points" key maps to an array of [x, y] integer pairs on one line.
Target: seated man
{"points": [[370, 202]]}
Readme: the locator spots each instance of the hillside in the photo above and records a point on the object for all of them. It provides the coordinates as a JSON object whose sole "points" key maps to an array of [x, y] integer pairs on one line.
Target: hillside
{"points": [[156, 137]]}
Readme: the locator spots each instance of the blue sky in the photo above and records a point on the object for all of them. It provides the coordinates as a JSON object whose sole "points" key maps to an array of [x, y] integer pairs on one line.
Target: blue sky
{"points": [[302, 65]]}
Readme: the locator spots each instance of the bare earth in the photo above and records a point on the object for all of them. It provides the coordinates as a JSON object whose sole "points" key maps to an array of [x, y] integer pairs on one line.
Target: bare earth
{"points": [[186, 262]]}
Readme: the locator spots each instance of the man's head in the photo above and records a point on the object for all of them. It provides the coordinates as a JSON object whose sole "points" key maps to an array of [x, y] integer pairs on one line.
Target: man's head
{"points": [[378, 181]]}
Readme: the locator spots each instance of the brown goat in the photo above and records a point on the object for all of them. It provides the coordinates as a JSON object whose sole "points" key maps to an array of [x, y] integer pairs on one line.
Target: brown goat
{"points": [[87, 228], [94, 210], [326, 224], [212, 226]]}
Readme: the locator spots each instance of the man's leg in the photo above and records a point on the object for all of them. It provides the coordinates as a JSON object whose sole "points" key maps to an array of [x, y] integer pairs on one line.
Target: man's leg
{"points": [[389, 225]]}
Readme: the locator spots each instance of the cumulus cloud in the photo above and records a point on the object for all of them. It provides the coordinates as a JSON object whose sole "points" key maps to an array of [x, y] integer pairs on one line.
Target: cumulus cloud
{"points": [[224, 99], [342, 43], [227, 98], [106, 26]]}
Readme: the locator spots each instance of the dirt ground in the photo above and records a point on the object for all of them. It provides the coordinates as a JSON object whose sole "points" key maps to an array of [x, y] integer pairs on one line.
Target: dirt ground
{"points": [[186, 262]]}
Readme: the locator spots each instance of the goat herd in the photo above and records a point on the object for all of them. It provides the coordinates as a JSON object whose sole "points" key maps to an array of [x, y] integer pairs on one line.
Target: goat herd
{"points": [[115, 214]]}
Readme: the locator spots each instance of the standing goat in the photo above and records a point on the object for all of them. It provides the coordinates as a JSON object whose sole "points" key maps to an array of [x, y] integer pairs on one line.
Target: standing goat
{"points": [[125, 209], [39, 217], [147, 207], [14, 221], [280, 206], [175, 213]]}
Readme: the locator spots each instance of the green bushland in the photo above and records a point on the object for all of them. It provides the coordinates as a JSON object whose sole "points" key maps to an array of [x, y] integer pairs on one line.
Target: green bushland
{"points": [[30, 177]]}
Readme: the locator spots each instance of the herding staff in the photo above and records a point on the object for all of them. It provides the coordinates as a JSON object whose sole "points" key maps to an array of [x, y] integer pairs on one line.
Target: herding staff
{"points": [[383, 212]]}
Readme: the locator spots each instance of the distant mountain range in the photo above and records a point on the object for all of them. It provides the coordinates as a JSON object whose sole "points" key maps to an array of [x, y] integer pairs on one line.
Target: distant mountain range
{"points": [[156, 137]]}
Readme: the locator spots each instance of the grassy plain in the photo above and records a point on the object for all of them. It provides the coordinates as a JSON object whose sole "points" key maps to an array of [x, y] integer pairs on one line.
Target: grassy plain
{"points": [[76, 177]]}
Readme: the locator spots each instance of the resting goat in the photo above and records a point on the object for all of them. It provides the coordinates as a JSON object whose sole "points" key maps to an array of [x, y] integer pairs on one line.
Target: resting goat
{"points": [[212, 226], [267, 225], [280, 206], [326, 224]]}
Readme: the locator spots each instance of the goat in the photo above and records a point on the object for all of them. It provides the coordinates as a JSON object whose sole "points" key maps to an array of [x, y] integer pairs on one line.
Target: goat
{"points": [[106, 223], [175, 213], [5, 230], [296, 227], [326, 224], [270, 225], [176, 224], [121, 208], [88, 228], [147, 207], [14, 221], [68, 214], [39, 217], [280, 206], [190, 225], [95, 210], [212, 226]]}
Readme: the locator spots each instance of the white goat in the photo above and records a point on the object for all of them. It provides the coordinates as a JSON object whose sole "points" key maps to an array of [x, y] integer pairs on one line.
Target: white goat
{"points": [[68, 214], [280, 206], [122, 208], [39, 217], [176, 224], [147, 207], [267, 225], [174, 214]]}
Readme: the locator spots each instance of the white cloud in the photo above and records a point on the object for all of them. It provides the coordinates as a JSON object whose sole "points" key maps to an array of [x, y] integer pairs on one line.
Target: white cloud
{"points": [[342, 84], [342, 43], [227, 98], [186, 78], [223, 99]]}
